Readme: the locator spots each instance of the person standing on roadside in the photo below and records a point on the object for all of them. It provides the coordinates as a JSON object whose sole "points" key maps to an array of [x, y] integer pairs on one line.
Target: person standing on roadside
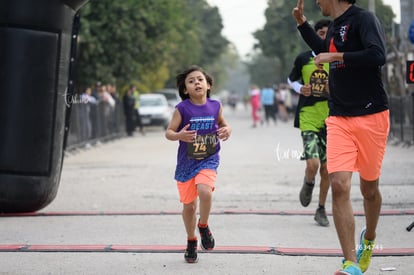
{"points": [[128, 102], [358, 122], [137, 116], [308, 80], [199, 125]]}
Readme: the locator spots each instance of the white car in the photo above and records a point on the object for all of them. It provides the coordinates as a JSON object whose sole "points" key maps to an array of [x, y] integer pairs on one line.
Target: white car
{"points": [[154, 110], [172, 96]]}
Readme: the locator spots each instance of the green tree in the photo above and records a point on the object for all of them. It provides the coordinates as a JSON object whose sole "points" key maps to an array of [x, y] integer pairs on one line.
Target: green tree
{"points": [[222, 68], [264, 70], [211, 25], [208, 25], [145, 41], [279, 38], [124, 40]]}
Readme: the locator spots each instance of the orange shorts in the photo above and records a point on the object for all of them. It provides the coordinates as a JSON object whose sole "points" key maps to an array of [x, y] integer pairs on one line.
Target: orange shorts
{"points": [[188, 190], [357, 144]]}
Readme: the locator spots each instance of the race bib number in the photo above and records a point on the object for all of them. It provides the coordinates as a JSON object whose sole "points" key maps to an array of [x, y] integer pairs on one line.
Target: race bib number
{"points": [[318, 81], [202, 147]]}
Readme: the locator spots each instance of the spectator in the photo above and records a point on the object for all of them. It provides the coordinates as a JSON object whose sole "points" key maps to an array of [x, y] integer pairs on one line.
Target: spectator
{"points": [[281, 96], [129, 110], [137, 118], [84, 112], [268, 102]]}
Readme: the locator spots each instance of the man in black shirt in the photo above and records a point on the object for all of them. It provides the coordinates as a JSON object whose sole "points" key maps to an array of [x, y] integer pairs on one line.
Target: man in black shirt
{"points": [[358, 121]]}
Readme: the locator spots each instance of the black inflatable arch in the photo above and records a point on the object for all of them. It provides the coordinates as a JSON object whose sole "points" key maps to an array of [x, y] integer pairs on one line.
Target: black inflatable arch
{"points": [[36, 40]]}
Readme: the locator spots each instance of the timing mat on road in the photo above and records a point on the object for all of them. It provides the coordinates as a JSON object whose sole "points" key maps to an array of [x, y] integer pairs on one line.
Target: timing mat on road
{"points": [[122, 248], [225, 212], [119, 248]]}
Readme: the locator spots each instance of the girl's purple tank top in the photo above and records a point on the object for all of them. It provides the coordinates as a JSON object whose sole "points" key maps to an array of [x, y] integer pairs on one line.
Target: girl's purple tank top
{"points": [[204, 153]]}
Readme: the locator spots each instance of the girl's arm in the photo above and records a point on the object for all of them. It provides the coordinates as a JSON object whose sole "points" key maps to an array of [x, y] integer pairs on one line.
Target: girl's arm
{"points": [[224, 130], [183, 135]]}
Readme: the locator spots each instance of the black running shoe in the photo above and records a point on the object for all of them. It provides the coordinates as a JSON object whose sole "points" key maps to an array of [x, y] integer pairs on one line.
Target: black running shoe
{"points": [[305, 195], [190, 255], [207, 240], [320, 217]]}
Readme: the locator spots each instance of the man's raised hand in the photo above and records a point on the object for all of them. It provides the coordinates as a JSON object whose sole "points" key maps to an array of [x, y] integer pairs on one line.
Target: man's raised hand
{"points": [[297, 13]]}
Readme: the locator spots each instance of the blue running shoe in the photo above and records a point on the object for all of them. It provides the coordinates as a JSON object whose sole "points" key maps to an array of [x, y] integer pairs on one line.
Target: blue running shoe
{"points": [[349, 268], [364, 251]]}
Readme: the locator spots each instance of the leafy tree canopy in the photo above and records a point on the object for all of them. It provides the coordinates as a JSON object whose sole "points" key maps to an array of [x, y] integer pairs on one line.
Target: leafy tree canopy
{"points": [[146, 41]]}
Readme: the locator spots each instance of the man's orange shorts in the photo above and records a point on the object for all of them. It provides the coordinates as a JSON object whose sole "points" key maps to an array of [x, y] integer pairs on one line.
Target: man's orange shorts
{"points": [[357, 144], [188, 190]]}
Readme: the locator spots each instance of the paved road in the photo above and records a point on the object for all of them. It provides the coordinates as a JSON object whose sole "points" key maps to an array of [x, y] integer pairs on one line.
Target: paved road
{"points": [[117, 212]]}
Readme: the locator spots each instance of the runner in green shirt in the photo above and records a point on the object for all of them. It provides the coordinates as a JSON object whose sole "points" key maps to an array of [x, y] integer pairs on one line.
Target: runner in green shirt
{"points": [[310, 81]]}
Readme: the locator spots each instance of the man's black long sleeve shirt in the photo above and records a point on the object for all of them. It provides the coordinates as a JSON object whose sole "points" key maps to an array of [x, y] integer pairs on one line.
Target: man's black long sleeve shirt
{"points": [[355, 84]]}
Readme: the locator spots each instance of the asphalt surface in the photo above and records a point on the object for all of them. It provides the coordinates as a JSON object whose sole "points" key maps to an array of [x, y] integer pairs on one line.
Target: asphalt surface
{"points": [[117, 212]]}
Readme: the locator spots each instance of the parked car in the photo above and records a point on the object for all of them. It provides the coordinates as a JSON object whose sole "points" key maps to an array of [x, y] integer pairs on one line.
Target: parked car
{"points": [[154, 110], [172, 96]]}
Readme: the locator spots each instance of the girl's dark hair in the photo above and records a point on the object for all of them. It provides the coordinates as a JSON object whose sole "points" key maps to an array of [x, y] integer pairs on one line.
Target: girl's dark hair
{"points": [[180, 80], [351, 1]]}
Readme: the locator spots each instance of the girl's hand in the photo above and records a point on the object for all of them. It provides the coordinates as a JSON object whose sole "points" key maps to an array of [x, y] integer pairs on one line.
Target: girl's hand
{"points": [[187, 136], [224, 133]]}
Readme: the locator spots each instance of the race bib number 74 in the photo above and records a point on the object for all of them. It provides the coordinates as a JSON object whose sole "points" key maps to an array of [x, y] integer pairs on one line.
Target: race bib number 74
{"points": [[202, 147]]}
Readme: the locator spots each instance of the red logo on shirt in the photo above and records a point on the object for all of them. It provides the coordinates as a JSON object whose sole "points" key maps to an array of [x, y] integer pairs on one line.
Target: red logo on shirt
{"points": [[332, 48], [335, 64], [343, 32]]}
